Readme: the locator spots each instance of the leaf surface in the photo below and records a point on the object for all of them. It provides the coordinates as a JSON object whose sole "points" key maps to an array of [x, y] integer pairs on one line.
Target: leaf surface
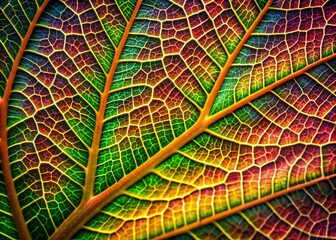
{"points": [[161, 119]]}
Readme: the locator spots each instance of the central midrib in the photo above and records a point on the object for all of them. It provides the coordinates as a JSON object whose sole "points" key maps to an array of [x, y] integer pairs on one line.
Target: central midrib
{"points": [[91, 204]]}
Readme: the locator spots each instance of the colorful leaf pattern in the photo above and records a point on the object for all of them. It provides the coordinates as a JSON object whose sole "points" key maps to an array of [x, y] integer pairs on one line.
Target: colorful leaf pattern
{"points": [[168, 119]]}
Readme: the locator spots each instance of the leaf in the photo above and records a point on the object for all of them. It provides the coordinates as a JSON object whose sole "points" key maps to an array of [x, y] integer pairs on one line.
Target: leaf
{"points": [[167, 119]]}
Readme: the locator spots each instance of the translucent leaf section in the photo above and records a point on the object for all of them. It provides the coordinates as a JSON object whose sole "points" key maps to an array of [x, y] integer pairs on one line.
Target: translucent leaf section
{"points": [[150, 119]]}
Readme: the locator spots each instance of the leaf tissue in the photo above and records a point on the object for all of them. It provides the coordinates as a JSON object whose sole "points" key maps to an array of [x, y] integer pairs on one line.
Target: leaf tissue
{"points": [[168, 119]]}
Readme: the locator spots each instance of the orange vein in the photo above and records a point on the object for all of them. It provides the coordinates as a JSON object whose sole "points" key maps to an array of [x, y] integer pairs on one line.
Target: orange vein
{"points": [[18, 217], [84, 211], [230, 60], [240, 208], [94, 150]]}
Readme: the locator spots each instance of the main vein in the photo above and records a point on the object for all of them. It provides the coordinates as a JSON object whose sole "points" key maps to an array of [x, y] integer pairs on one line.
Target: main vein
{"points": [[91, 204], [18, 217]]}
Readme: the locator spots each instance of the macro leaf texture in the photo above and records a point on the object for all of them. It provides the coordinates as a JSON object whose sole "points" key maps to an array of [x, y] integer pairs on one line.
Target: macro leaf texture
{"points": [[158, 119]]}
